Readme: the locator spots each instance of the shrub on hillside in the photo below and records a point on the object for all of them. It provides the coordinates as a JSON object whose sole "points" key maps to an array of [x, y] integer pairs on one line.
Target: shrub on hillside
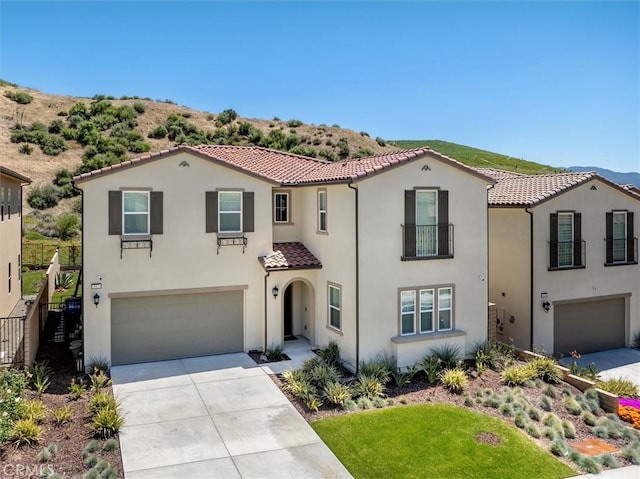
{"points": [[26, 149], [41, 198], [20, 97], [226, 117], [380, 141], [68, 224], [53, 145], [138, 107], [56, 127], [294, 123]]}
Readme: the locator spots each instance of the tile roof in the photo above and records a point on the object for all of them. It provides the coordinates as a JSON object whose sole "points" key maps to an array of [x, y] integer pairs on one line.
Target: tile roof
{"points": [[498, 174], [289, 169], [289, 256], [531, 190]]}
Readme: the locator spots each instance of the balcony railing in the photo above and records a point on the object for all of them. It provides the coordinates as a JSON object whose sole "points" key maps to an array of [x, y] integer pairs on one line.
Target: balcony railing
{"points": [[427, 242], [567, 254], [621, 251]]}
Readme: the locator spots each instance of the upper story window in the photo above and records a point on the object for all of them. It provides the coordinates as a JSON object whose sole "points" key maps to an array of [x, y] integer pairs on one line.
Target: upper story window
{"points": [[2, 188], [281, 207], [9, 279], [566, 248], [335, 306], [621, 246], [426, 230], [135, 213], [322, 211], [426, 310], [230, 211]]}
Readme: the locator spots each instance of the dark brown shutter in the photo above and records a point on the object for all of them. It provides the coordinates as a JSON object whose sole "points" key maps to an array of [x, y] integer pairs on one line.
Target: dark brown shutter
{"points": [[577, 239], [443, 223], [156, 220], [409, 223], [609, 238], [553, 240], [115, 212], [211, 211], [247, 211], [631, 250]]}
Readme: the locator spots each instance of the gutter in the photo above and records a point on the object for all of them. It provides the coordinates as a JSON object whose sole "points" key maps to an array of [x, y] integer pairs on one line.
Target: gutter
{"points": [[350, 185], [530, 276], [264, 350]]}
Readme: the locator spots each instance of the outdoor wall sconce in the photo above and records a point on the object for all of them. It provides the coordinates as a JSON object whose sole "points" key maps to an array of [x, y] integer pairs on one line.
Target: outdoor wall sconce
{"points": [[275, 292], [546, 305], [96, 299]]}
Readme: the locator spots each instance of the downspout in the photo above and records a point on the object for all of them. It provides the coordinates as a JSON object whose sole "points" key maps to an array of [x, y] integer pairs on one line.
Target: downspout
{"points": [[264, 349], [350, 185], [530, 276]]}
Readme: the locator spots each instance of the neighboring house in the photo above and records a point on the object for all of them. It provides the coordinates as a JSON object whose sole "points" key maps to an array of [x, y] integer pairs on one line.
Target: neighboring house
{"points": [[11, 184], [213, 249], [563, 257]]}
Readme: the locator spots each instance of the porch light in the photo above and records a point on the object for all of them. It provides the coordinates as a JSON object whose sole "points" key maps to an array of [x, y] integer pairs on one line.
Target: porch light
{"points": [[546, 305], [275, 292], [96, 299]]}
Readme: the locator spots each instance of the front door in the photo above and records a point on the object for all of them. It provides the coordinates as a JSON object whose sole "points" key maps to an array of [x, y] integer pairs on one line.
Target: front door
{"points": [[288, 311]]}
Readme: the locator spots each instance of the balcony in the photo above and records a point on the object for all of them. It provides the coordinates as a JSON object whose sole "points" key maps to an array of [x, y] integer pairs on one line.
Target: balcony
{"points": [[566, 255], [427, 242], [621, 251]]}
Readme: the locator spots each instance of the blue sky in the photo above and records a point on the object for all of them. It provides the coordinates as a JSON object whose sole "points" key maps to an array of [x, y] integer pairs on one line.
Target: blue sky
{"points": [[557, 83]]}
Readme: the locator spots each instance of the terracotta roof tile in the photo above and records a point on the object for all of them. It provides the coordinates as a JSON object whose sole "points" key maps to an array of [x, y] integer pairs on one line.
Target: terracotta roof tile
{"points": [[530, 190], [498, 174], [289, 256]]}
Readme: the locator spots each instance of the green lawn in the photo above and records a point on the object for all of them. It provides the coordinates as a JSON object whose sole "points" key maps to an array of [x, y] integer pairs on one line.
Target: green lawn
{"points": [[31, 281], [434, 441]]}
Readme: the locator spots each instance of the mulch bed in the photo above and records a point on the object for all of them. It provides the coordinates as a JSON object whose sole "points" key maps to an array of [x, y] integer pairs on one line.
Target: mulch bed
{"points": [[70, 438]]}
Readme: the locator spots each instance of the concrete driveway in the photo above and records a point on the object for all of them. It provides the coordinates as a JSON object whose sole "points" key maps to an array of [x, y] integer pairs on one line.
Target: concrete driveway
{"points": [[615, 363], [214, 417]]}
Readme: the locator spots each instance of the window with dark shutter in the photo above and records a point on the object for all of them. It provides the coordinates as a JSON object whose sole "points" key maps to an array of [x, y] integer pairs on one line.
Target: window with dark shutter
{"points": [[409, 223], [247, 212], [577, 239], [443, 223], [631, 241], [211, 212], [115, 212], [609, 238], [156, 217]]}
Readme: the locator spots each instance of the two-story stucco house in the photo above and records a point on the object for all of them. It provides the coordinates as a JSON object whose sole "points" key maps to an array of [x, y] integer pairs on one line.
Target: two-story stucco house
{"points": [[11, 184], [213, 249], [564, 267]]}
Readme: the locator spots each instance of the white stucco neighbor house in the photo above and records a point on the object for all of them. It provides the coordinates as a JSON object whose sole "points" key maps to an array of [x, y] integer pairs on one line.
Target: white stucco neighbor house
{"points": [[564, 270], [213, 249], [11, 184]]}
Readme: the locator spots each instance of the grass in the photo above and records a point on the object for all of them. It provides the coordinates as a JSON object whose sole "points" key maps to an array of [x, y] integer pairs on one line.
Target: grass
{"points": [[479, 158], [31, 281], [434, 440]]}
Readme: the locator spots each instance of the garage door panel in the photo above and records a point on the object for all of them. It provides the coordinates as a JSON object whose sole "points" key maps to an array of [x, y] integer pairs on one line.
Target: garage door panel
{"points": [[169, 327], [589, 326]]}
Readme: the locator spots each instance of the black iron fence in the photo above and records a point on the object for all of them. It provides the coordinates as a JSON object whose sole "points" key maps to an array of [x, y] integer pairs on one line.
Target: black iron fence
{"points": [[12, 341], [36, 255], [427, 241]]}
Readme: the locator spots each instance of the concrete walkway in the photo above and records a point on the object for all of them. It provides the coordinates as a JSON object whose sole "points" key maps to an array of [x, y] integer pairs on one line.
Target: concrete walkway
{"points": [[214, 417], [615, 363]]}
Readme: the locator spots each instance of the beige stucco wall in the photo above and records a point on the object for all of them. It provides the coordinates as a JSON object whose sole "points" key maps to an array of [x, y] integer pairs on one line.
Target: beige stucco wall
{"points": [[10, 239], [184, 257], [510, 273], [596, 280], [382, 273]]}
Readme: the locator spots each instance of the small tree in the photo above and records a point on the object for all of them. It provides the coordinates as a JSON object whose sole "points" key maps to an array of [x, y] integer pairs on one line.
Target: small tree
{"points": [[68, 224]]}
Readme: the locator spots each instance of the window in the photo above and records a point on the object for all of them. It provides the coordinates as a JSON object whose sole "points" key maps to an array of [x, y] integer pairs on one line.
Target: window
{"points": [[566, 248], [281, 207], [419, 307], [335, 305], [322, 211], [621, 246], [135, 213], [230, 211], [426, 230], [9, 278]]}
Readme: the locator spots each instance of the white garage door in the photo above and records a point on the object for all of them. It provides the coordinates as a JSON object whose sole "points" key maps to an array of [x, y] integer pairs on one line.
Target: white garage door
{"points": [[155, 328], [589, 326]]}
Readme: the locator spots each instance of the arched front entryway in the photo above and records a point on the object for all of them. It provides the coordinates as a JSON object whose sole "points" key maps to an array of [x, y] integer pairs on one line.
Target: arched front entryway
{"points": [[298, 311]]}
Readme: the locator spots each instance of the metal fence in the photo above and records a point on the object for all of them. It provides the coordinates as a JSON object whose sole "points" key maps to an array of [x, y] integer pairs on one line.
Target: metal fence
{"points": [[36, 255], [12, 341]]}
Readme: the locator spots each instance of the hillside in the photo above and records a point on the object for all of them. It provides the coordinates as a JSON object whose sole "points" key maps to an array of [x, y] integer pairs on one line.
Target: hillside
{"points": [[479, 158], [630, 178]]}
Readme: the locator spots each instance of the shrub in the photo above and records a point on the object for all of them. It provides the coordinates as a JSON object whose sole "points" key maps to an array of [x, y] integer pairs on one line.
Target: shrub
{"points": [[631, 454], [96, 364], [294, 123], [158, 132], [589, 465], [107, 421], [328, 154], [91, 461], [55, 127], [364, 403], [506, 409], [431, 367], [40, 372], [559, 448], [68, 224], [545, 403], [26, 149], [608, 460], [448, 354], [101, 400], [589, 418], [402, 378], [454, 379], [44, 455], [532, 430], [312, 402], [382, 366], [110, 445], [569, 429], [323, 374], [380, 141], [53, 145], [274, 352], [492, 401], [572, 405], [139, 147], [138, 107], [363, 153], [619, 386], [32, 409], [551, 420], [226, 117], [546, 369], [330, 354], [468, 400], [517, 375], [26, 432], [41, 198], [336, 393], [369, 386], [549, 390], [62, 415], [99, 380], [76, 389], [21, 97], [521, 420], [91, 447]]}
